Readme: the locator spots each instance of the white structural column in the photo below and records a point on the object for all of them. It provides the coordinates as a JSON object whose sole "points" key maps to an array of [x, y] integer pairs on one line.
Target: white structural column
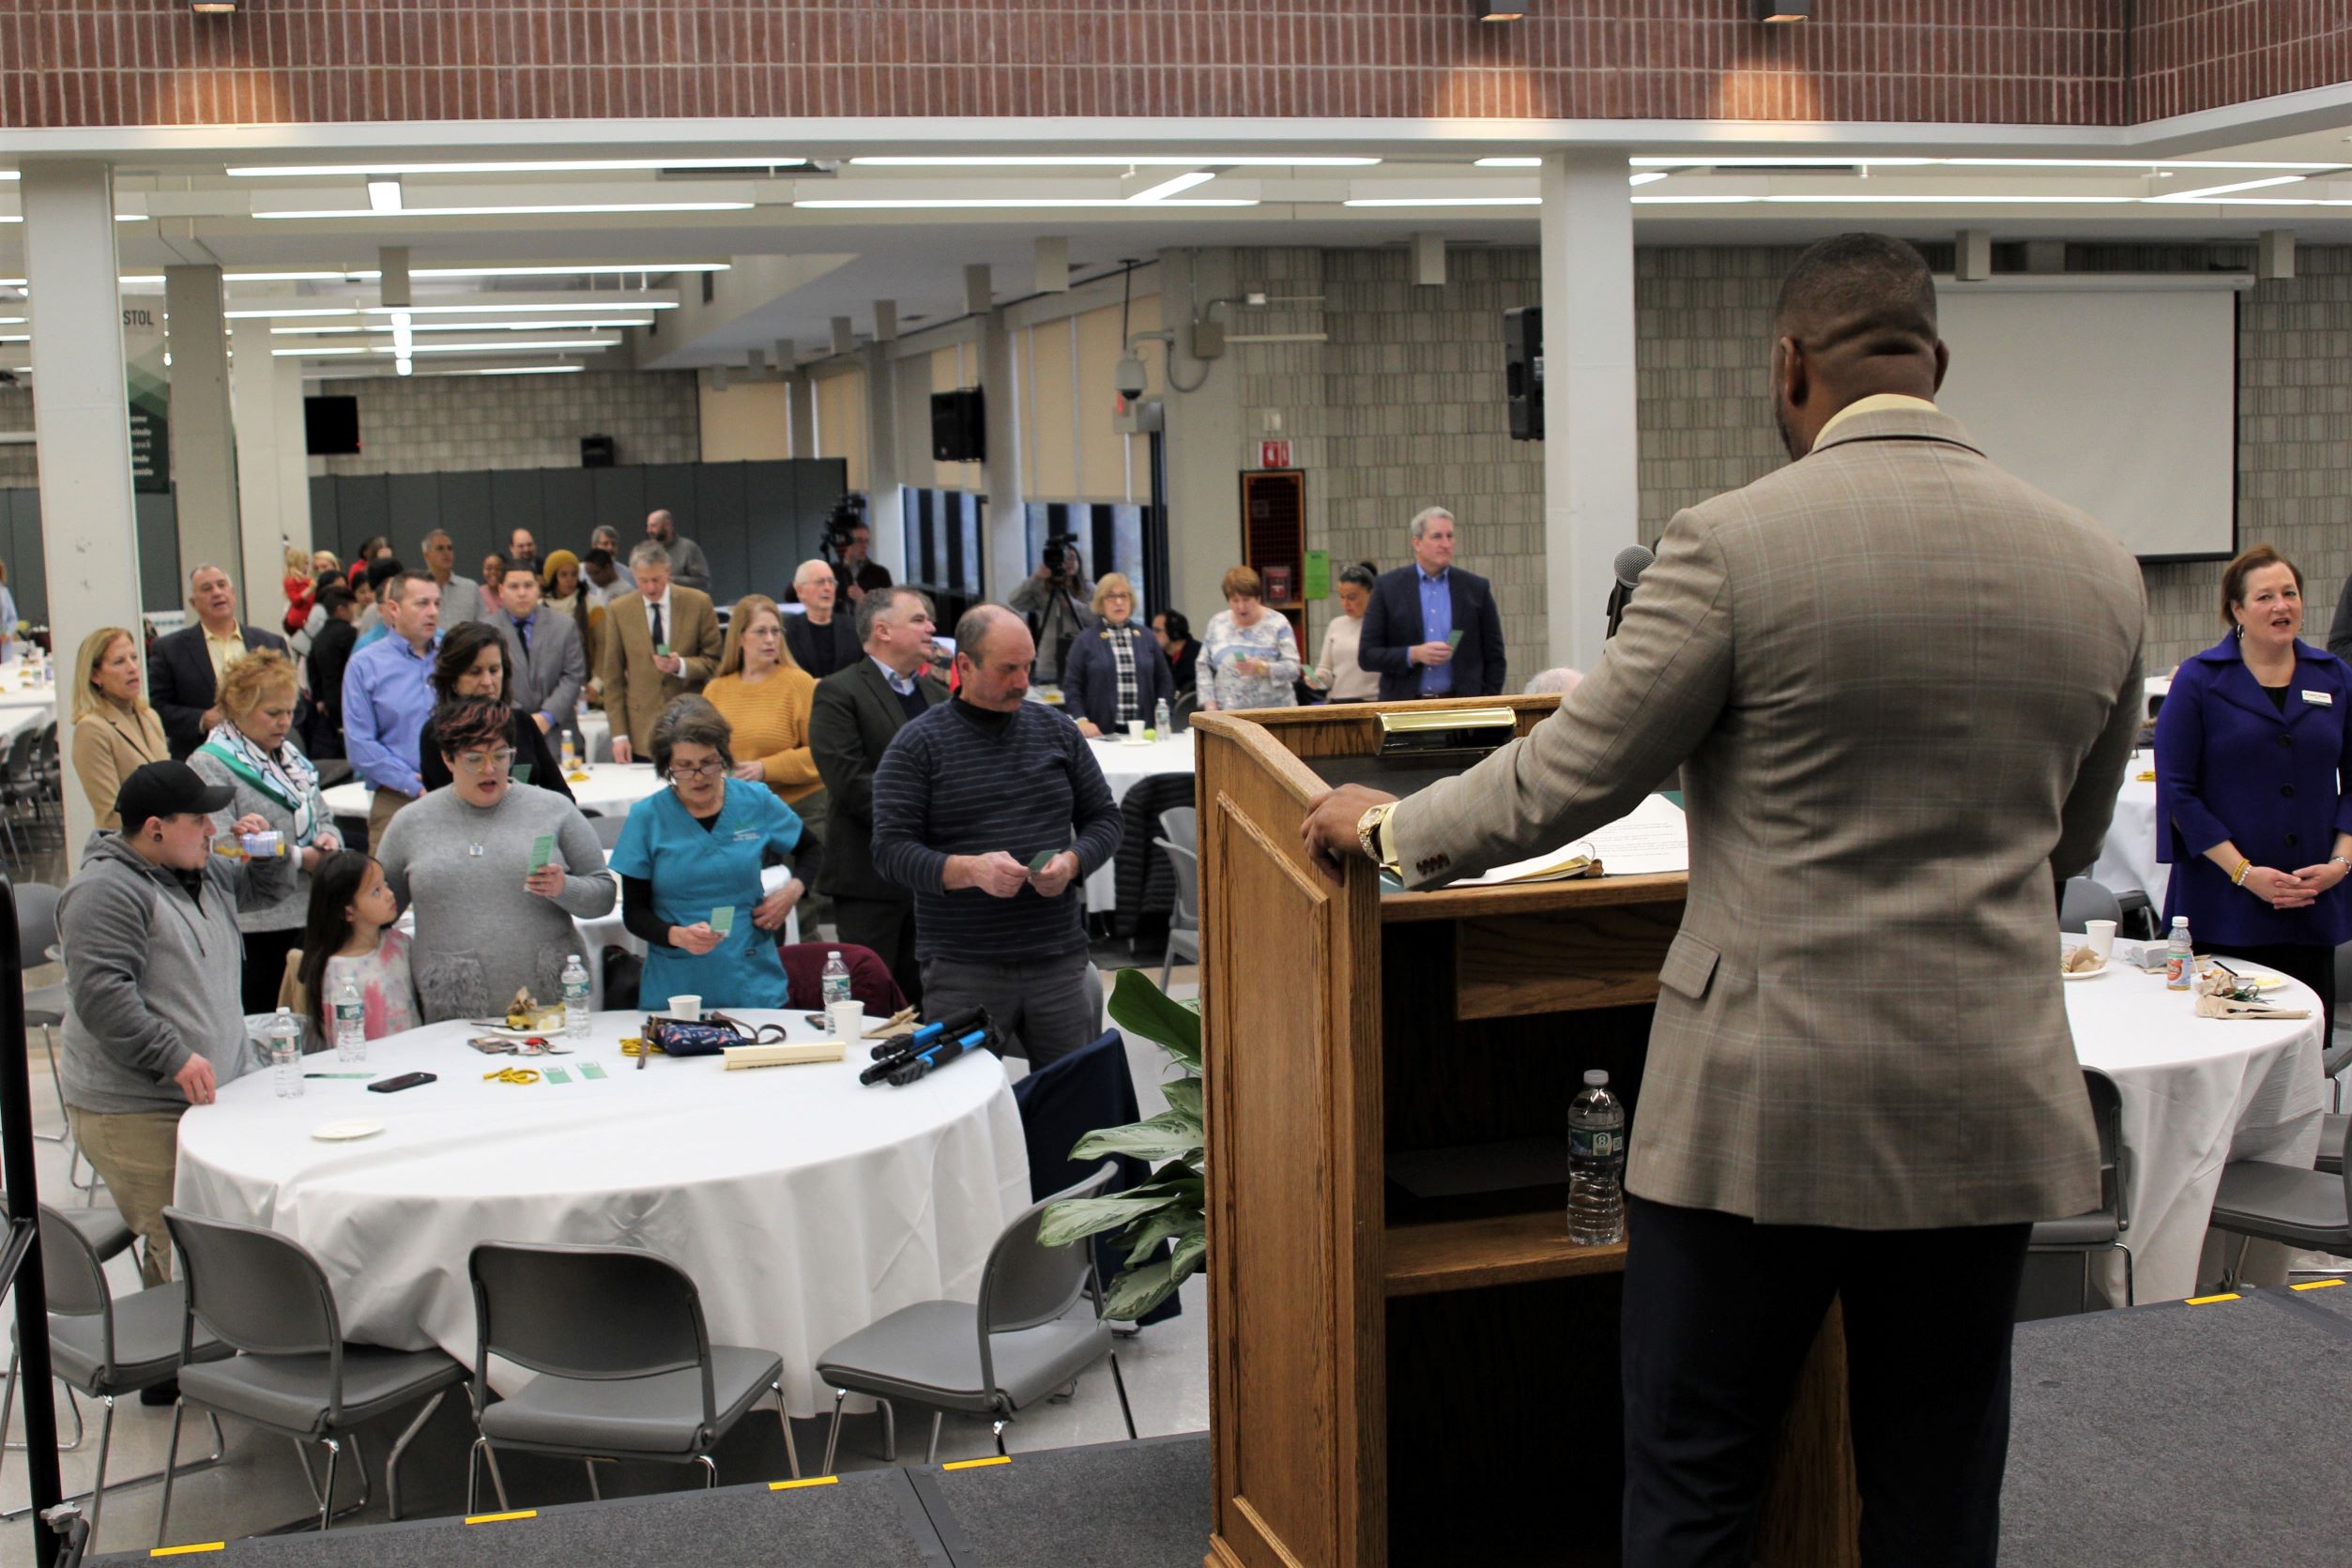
{"points": [[273, 473], [1006, 525], [204, 438], [1592, 497], [885, 518], [89, 528], [804, 415]]}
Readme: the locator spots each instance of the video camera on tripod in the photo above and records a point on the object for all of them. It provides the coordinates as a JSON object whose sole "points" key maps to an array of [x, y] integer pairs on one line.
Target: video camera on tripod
{"points": [[847, 516]]}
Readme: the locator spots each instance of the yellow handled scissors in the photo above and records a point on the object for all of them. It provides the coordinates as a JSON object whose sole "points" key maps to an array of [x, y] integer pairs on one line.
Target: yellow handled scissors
{"points": [[512, 1075]]}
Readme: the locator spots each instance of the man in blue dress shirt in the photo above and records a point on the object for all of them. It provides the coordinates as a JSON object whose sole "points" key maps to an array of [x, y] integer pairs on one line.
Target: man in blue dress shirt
{"points": [[387, 695], [1432, 628]]}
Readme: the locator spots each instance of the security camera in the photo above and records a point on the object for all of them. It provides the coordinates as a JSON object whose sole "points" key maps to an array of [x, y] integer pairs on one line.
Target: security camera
{"points": [[1128, 380]]}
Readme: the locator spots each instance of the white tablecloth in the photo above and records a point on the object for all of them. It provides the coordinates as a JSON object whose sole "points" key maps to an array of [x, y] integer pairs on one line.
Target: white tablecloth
{"points": [[805, 1206], [2197, 1093], [1123, 764], [610, 790], [2127, 858]]}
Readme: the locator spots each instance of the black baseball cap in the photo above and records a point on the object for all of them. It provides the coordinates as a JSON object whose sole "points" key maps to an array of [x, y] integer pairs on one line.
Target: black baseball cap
{"points": [[167, 790]]}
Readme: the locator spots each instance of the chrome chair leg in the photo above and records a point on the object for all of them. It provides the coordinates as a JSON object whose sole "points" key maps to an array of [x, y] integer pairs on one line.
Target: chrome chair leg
{"points": [[2131, 1288], [498, 1482], [98, 1482], [833, 1435], [2235, 1270], [783, 1415], [996, 1430], [391, 1466], [170, 1463], [65, 1129], [709, 1472], [594, 1494], [931, 1454], [889, 1432], [326, 1499], [1126, 1412]]}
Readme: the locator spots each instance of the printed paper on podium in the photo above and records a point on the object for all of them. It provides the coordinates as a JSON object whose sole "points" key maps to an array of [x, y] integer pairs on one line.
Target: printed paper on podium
{"points": [[1650, 840]]}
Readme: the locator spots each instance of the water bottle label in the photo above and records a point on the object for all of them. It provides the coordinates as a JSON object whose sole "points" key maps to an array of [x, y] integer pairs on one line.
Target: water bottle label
{"points": [[1595, 1143]]}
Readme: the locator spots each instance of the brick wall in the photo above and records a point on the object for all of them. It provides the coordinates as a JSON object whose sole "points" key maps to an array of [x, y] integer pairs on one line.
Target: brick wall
{"points": [[2193, 54], [425, 424]]}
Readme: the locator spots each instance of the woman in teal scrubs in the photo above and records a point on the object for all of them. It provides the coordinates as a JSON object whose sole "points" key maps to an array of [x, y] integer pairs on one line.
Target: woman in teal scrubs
{"points": [[690, 863]]}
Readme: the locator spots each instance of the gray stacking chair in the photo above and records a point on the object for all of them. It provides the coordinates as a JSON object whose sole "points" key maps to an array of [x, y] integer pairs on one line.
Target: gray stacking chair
{"points": [[625, 1365], [265, 1296], [1184, 922], [608, 829], [2086, 900], [106, 1348], [1021, 1342], [44, 1005], [2102, 1229], [2308, 1209], [2332, 1130], [1181, 825], [110, 1236]]}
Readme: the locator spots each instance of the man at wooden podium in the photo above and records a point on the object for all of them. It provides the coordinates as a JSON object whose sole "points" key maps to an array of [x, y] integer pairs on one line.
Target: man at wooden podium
{"points": [[1902, 687]]}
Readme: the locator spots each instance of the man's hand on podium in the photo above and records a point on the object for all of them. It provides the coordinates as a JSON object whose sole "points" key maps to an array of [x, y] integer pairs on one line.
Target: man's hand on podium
{"points": [[1329, 827]]}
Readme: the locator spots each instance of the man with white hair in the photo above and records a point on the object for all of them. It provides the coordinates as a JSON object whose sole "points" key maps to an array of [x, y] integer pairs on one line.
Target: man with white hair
{"points": [[1559, 679], [820, 641], [1432, 630]]}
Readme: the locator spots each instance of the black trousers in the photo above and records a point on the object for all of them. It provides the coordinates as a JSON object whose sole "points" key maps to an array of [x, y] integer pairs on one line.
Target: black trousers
{"points": [[887, 926], [2316, 967], [1719, 1312]]}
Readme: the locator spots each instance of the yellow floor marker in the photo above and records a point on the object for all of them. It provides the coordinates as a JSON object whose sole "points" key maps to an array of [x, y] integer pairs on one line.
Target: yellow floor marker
{"points": [[975, 1464], [183, 1551], [812, 1481], [2317, 1285], [2206, 1301], [495, 1519]]}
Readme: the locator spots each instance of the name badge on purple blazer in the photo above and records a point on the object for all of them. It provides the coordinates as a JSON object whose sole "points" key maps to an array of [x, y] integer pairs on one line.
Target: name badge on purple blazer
{"points": [[2320, 699]]}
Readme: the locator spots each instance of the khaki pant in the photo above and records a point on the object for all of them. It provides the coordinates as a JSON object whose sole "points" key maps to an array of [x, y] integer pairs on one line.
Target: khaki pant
{"points": [[383, 805], [135, 1154]]}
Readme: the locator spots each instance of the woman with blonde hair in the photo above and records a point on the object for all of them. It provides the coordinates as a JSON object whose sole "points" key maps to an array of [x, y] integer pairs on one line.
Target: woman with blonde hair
{"points": [[252, 752], [765, 697], [1116, 671], [115, 732]]}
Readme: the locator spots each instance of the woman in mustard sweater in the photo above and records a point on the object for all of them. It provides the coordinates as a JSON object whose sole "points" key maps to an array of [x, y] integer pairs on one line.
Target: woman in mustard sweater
{"points": [[766, 699]]}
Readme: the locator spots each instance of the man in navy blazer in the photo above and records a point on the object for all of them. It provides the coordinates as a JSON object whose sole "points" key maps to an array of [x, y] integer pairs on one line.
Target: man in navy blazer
{"points": [[184, 667], [1410, 629]]}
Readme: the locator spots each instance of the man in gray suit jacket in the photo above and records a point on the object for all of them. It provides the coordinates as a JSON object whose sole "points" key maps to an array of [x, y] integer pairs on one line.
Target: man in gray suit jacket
{"points": [[545, 662], [1902, 687]]}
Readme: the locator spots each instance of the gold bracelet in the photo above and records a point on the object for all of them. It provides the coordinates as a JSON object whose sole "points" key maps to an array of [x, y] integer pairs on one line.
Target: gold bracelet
{"points": [[2238, 878]]}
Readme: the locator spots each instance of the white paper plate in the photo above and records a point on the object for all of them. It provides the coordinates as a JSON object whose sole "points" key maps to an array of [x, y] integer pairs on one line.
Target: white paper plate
{"points": [[2266, 979], [2087, 974], [343, 1131]]}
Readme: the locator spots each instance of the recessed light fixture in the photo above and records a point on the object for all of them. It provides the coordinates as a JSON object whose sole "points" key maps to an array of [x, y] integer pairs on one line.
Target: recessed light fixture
{"points": [[384, 194], [909, 204], [1114, 160], [213, 8], [1444, 200], [553, 211], [466, 326], [543, 166], [1511, 164], [1171, 187], [1784, 10]]}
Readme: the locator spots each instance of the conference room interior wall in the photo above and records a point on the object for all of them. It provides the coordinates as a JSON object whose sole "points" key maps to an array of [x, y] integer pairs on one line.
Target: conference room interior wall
{"points": [[430, 424], [17, 468]]}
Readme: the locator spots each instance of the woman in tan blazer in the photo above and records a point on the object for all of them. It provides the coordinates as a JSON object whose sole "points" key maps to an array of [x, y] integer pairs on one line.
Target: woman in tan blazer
{"points": [[114, 731]]}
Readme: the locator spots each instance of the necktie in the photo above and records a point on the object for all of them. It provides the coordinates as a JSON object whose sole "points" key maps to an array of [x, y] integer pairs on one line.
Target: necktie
{"points": [[523, 634], [659, 636]]}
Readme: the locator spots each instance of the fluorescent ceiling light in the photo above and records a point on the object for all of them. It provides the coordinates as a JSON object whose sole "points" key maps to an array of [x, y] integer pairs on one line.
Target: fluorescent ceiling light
{"points": [[1650, 176], [553, 345], [2118, 163], [291, 312], [601, 270], [909, 204], [538, 166], [1148, 160], [17, 337], [2205, 191], [384, 194], [1444, 200], [14, 321], [1171, 187], [10, 174], [1693, 201], [1703, 162], [553, 211], [320, 353], [1514, 162], [2005, 199], [584, 325], [542, 308], [520, 370]]}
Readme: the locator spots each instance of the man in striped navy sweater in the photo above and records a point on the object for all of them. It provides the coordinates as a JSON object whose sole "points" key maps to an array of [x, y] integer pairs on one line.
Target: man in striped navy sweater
{"points": [[968, 797]]}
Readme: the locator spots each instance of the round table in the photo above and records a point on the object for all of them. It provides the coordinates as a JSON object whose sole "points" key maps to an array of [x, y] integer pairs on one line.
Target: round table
{"points": [[805, 1206], [2197, 1093], [2127, 858], [610, 789], [1123, 762]]}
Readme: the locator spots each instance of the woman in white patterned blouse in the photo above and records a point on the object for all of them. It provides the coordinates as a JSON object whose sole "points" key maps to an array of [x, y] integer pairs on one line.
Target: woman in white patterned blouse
{"points": [[1247, 657]]}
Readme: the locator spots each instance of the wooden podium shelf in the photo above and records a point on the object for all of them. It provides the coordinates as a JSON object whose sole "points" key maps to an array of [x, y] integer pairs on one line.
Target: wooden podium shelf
{"points": [[1512, 1249]]}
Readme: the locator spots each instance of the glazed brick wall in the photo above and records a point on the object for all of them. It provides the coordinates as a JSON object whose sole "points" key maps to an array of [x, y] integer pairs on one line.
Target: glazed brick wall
{"points": [[2193, 54], [149, 62]]}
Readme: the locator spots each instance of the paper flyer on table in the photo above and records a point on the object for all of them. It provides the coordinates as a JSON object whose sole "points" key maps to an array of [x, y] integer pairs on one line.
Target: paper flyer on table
{"points": [[1650, 840]]}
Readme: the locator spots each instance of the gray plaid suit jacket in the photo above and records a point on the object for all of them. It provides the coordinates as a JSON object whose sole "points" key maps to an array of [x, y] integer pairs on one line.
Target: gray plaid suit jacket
{"points": [[1902, 687]]}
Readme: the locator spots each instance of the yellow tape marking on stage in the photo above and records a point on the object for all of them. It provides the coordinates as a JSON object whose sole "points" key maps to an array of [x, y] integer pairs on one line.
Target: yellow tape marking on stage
{"points": [[812, 1481], [2203, 1300], [2317, 1285], [975, 1464], [183, 1551], [493, 1518]]}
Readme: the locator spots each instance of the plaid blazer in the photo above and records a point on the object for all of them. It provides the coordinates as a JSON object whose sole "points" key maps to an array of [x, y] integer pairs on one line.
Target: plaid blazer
{"points": [[1902, 688]]}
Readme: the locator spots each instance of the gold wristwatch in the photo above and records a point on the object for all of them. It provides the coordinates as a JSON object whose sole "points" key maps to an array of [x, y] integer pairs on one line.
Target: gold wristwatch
{"points": [[1372, 833]]}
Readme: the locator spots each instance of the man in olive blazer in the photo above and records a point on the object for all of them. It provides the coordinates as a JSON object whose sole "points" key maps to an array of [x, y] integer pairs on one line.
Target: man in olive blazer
{"points": [[1902, 689], [855, 715], [640, 680]]}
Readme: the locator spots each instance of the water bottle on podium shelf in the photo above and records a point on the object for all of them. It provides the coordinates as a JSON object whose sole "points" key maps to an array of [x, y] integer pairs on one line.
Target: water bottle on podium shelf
{"points": [[1597, 1163], [836, 984], [281, 1042], [351, 1023], [576, 1012], [2180, 963]]}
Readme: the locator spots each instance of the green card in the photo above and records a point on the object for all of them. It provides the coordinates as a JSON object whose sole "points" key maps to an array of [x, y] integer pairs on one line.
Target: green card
{"points": [[556, 1075], [542, 850], [663, 649], [591, 1069], [1453, 639], [723, 918], [1040, 861]]}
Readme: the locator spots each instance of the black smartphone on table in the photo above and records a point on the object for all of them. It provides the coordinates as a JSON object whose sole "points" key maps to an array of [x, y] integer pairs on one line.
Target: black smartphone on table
{"points": [[406, 1080]]}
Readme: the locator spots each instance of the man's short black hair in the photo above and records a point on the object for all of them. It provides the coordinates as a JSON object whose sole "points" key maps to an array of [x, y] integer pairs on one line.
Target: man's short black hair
{"points": [[383, 570], [1858, 285]]}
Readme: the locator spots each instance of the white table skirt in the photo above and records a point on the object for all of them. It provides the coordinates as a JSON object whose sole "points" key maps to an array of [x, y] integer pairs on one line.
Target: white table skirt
{"points": [[1123, 765], [2127, 858], [805, 1206], [2197, 1093], [609, 790]]}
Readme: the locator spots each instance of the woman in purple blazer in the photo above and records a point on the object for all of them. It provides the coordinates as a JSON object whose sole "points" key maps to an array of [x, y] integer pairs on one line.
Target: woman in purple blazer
{"points": [[2253, 784]]}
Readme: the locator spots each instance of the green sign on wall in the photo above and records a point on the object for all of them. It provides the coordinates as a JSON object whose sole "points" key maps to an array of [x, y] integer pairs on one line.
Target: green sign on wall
{"points": [[1317, 575]]}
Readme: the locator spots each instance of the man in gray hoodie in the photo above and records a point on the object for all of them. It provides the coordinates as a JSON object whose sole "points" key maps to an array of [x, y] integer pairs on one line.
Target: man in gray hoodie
{"points": [[152, 955]]}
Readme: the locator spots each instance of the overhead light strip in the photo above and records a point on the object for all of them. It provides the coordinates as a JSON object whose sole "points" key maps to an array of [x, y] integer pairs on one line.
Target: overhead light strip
{"points": [[509, 166], [951, 203], [566, 209], [1113, 160], [1167, 187], [468, 326]]}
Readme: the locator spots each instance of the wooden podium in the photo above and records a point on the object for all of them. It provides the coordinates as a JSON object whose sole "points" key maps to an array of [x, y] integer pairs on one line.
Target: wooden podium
{"points": [[1414, 1372]]}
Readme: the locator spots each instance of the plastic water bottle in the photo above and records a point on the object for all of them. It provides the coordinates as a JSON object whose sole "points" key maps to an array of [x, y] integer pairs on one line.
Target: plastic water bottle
{"points": [[351, 1023], [2180, 963], [570, 757], [282, 1038], [836, 980], [576, 998], [1160, 719], [1597, 1163]]}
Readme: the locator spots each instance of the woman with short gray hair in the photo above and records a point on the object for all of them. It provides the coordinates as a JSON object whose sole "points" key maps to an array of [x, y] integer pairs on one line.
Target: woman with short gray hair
{"points": [[694, 857]]}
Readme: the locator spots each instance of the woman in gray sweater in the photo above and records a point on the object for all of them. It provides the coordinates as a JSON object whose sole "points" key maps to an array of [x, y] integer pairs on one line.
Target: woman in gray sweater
{"points": [[487, 925]]}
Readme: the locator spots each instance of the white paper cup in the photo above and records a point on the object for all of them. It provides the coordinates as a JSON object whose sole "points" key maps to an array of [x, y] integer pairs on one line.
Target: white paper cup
{"points": [[849, 1021], [1135, 729], [2101, 937], [686, 1009]]}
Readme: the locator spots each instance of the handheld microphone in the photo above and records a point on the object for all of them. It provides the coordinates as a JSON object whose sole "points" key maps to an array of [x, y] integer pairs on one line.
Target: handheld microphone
{"points": [[1631, 562], [938, 1055], [954, 1023]]}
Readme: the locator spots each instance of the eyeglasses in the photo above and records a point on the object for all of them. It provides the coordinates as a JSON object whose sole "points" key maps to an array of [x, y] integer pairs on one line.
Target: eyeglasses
{"points": [[476, 762], [697, 769]]}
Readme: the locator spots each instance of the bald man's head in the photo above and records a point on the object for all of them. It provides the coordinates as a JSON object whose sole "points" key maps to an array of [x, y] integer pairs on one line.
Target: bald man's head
{"points": [[993, 652], [1857, 317]]}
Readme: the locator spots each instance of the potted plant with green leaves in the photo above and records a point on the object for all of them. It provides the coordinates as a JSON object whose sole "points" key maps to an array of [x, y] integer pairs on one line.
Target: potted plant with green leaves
{"points": [[1171, 1207]]}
